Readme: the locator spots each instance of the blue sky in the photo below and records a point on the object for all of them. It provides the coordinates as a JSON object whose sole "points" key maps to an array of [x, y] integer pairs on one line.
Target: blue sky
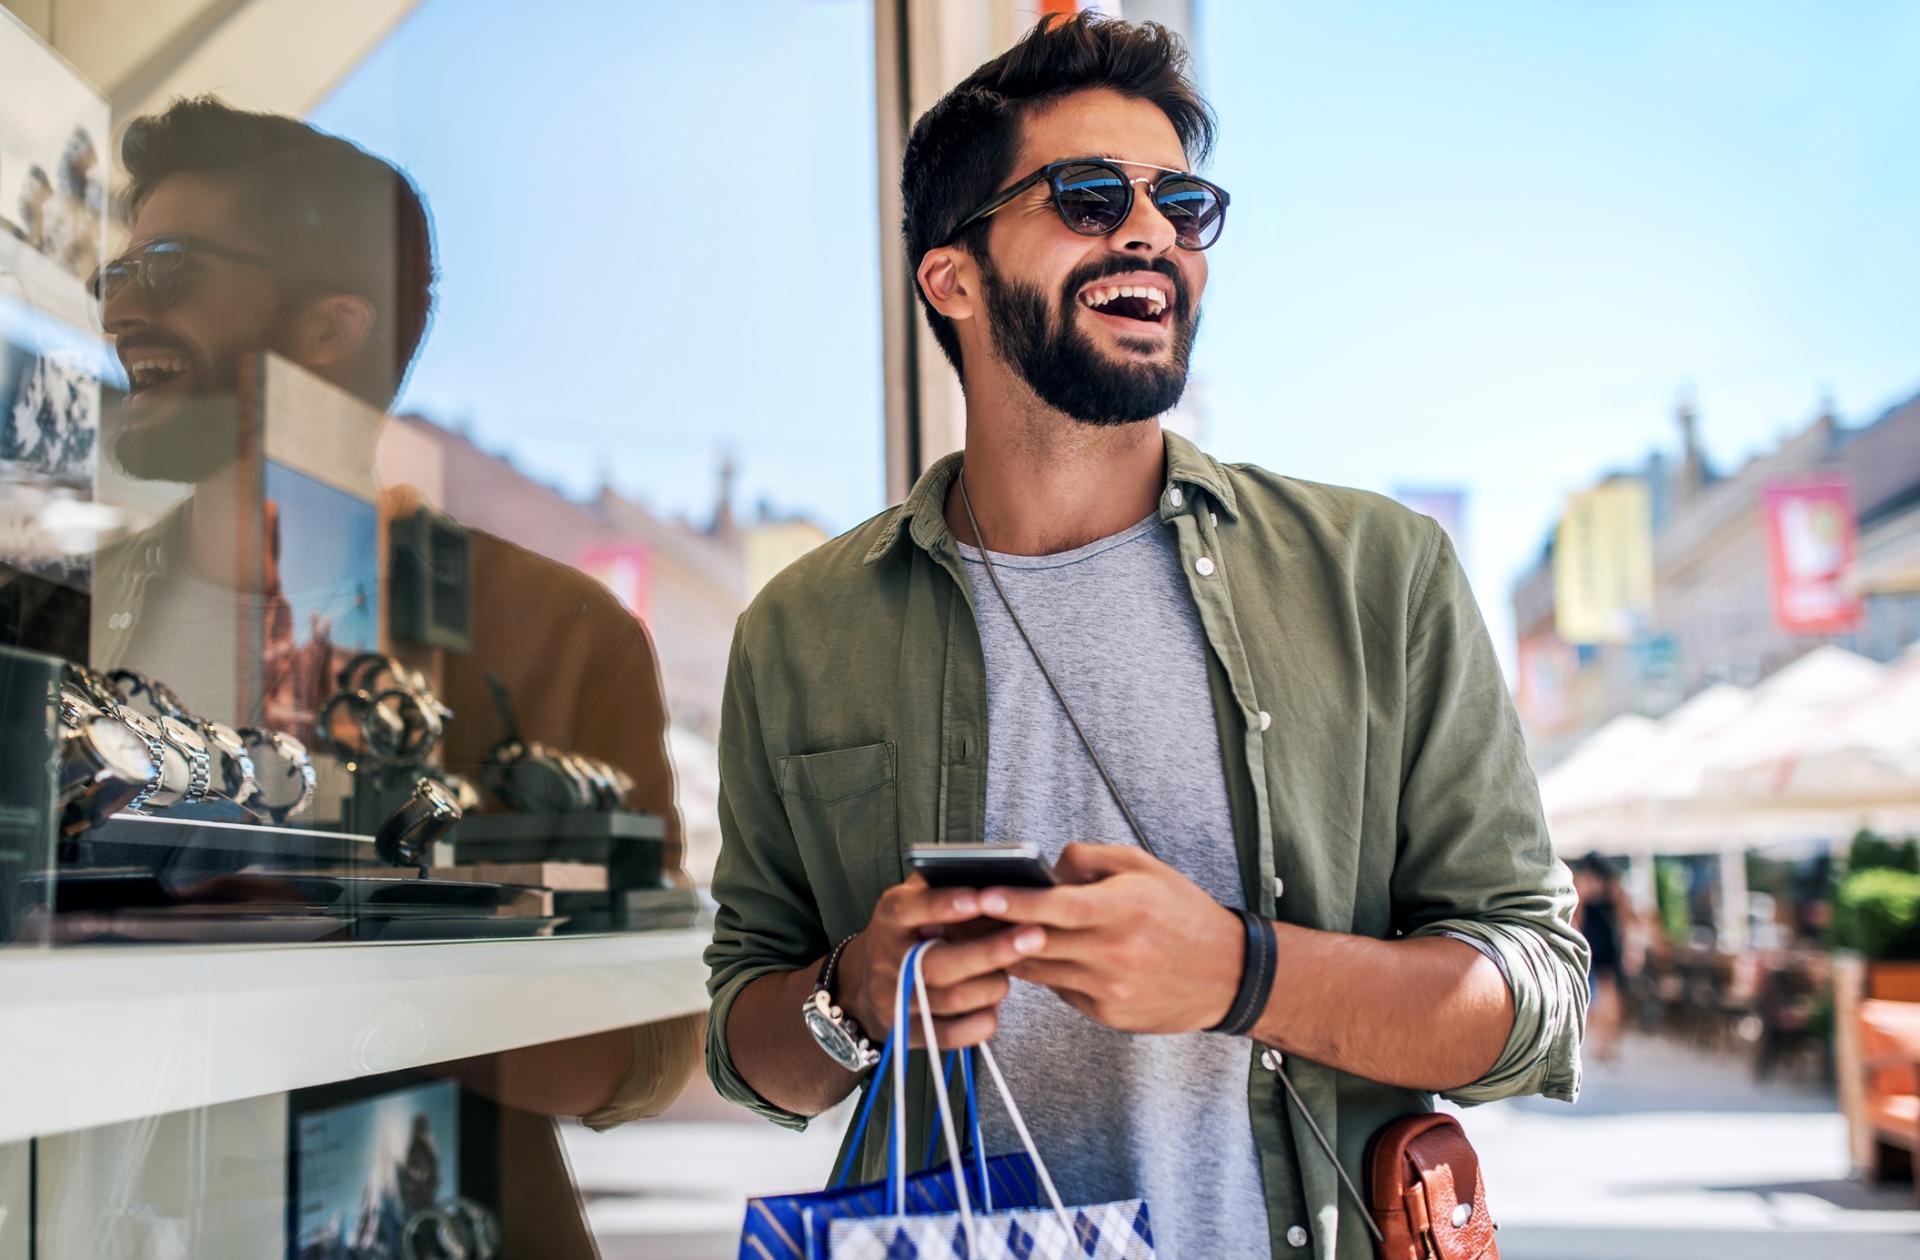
{"points": [[658, 231], [1482, 244]]}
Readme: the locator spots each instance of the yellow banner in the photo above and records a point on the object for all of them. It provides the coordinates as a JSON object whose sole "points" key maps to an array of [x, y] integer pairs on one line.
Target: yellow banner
{"points": [[1603, 565]]}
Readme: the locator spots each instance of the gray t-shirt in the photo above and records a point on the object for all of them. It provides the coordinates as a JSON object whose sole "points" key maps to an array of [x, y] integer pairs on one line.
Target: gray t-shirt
{"points": [[1115, 1115]]}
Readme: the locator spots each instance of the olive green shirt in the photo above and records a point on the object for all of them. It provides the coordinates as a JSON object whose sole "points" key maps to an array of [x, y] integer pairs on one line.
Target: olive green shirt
{"points": [[1376, 769]]}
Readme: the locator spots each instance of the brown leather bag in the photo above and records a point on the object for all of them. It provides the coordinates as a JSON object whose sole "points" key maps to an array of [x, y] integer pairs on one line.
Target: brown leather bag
{"points": [[1428, 1198]]}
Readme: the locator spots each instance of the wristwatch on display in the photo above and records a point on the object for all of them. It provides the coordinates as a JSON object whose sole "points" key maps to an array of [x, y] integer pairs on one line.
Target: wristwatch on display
{"points": [[170, 772], [532, 778], [192, 747], [160, 697], [283, 771], [83, 685], [599, 782], [104, 768], [459, 787], [407, 838], [374, 733], [232, 767], [832, 1027]]}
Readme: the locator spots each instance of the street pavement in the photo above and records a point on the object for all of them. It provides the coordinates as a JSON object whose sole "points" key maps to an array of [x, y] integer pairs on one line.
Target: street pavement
{"points": [[1671, 1155]]}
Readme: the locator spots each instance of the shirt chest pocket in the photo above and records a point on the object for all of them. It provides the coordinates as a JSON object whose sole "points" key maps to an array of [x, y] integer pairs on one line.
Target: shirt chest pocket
{"points": [[841, 806]]}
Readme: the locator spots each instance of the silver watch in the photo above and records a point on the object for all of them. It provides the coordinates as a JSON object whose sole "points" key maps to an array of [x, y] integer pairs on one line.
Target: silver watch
{"points": [[283, 772], [832, 1027]]}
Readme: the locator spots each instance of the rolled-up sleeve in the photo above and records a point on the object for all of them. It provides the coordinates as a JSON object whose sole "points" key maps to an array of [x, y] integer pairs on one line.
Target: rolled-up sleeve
{"points": [[767, 920], [1475, 861]]}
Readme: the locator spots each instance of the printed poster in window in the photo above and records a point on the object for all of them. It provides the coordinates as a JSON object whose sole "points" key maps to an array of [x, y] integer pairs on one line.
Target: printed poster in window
{"points": [[53, 195]]}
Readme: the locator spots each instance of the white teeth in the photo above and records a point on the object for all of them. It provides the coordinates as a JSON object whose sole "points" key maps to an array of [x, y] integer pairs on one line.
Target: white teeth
{"points": [[1156, 298]]}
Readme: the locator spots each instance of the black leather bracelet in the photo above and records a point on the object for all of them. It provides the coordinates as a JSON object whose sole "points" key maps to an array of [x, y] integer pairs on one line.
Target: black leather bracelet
{"points": [[1256, 977]]}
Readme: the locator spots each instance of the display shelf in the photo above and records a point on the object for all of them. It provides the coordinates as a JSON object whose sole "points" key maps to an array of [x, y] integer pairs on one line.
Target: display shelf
{"points": [[92, 1036]]}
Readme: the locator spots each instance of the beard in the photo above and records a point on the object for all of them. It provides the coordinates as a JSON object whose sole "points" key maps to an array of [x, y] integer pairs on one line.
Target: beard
{"points": [[1061, 363]]}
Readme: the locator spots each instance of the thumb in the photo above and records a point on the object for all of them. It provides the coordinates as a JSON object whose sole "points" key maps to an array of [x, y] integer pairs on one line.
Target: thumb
{"points": [[1085, 863]]}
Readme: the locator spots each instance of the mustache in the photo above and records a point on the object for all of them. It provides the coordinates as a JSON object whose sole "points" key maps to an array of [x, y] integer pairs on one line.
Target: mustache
{"points": [[127, 343], [1085, 275]]}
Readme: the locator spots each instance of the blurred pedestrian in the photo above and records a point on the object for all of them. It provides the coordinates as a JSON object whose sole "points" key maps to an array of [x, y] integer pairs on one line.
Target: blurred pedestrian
{"points": [[1604, 918]]}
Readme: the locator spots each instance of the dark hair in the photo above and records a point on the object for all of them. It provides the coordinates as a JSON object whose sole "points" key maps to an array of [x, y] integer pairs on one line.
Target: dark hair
{"points": [[335, 218], [960, 151]]}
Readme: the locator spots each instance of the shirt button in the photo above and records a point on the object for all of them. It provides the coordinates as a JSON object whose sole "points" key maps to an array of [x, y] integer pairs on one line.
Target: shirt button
{"points": [[1266, 719], [1214, 517], [1279, 887], [1174, 496], [1296, 1237], [1203, 566]]}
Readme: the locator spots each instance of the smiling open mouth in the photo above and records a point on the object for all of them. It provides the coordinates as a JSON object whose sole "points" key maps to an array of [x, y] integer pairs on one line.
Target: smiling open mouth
{"points": [[151, 370], [1141, 303]]}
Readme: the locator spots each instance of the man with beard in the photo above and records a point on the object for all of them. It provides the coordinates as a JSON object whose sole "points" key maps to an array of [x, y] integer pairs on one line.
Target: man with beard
{"points": [[1299, 823], [254, 233]]}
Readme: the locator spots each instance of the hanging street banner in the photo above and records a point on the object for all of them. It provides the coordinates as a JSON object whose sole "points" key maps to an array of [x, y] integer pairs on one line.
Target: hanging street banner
{"points": [[1812, 541], [1603, 565]]}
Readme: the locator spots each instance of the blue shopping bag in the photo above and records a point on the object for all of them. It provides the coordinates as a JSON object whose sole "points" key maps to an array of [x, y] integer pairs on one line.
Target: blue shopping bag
{"points": [[797, 1226], [989, 1211]]}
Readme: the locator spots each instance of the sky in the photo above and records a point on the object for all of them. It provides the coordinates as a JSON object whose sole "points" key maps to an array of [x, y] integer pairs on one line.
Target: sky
{"points": [[658, 233], [1488, 244], [1483, 245]]}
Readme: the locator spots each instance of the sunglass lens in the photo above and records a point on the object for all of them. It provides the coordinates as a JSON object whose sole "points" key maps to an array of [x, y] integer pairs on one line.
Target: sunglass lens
{"points": [[165, 263], [1092, 197], [1194, 209]]}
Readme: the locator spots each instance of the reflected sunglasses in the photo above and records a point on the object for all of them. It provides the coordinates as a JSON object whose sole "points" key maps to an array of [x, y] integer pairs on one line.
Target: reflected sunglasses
{"points": [[1094, 197], [161, 266]]}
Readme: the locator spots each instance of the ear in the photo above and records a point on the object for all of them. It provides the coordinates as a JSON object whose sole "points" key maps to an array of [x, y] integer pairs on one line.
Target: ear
{"points": [[328, 330], [950, 281]]}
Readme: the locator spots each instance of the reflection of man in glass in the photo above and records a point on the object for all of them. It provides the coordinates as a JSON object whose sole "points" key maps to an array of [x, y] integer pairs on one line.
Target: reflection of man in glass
{"points": [[254, 233], [419, 1173]]}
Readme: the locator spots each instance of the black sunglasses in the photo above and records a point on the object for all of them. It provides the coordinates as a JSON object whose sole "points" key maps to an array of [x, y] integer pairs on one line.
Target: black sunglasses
{"points": [[1094, 197], [161, 266]]}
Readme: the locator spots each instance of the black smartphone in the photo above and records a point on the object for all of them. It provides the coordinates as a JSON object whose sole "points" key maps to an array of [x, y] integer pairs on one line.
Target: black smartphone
{"points": [[982, 866]]}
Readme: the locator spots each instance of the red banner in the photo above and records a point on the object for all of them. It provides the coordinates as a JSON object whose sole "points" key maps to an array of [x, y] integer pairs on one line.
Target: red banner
{"points": [[1811, 540]]}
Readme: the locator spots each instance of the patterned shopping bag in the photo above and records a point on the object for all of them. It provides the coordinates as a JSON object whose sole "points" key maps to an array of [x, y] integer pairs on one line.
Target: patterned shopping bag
{"points": [[1108, 1231], [796, 1226], [1112, 1231]]}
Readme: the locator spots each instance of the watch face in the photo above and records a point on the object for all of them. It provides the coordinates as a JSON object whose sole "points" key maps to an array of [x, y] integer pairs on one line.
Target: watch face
{"points": [[283, 772], [178, 732], [840, 1044], [76, 704], [119, 749]]}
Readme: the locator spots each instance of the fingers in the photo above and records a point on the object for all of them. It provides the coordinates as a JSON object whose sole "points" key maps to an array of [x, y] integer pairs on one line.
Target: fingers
{"points": [[1075, 908], [969, 995], [1085, 863], [911, 905], [959, 1034], [1057, 975], [953, 963]]}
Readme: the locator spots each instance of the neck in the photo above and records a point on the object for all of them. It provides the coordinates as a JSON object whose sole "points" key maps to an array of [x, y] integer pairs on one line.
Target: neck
{"points": [[1041, 482], [214, 554]]}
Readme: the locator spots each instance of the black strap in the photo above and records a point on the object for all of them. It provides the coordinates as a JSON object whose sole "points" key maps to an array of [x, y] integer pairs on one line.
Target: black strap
{"points": [[1139, 833]]}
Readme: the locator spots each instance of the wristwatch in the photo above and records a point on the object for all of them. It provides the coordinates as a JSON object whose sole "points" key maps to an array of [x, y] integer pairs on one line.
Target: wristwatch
{"points": [[407, 838], [104, 767], [283, 771], [128, 684], [832, 1027], [192, 747], [232, 767], [169, 778]]}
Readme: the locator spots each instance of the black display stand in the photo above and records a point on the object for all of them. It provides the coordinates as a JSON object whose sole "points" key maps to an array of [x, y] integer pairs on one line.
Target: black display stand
{"points": [[631, 846]]}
